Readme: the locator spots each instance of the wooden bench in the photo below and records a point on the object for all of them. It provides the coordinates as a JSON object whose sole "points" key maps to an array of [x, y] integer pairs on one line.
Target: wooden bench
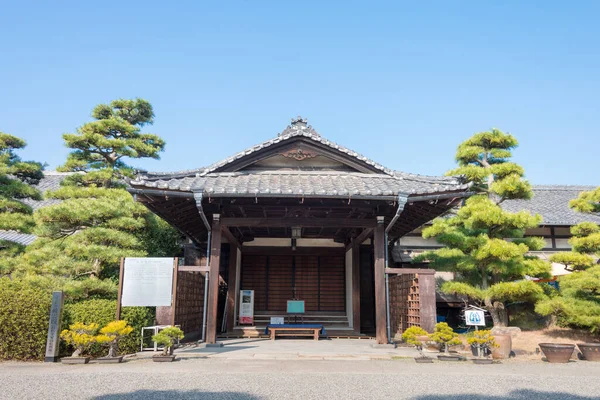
{"points": [[299, 330]]}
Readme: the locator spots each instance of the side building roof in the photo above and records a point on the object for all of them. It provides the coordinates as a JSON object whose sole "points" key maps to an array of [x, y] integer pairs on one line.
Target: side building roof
{"points": [[50, 181], [552, 203]]}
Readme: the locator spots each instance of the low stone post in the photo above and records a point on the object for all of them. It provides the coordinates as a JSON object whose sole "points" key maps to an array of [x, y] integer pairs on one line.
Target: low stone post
{"points": [[56, 311]]}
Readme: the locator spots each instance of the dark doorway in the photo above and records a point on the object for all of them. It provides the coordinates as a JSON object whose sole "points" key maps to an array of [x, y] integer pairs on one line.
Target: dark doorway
{"points": [[367, 290]]}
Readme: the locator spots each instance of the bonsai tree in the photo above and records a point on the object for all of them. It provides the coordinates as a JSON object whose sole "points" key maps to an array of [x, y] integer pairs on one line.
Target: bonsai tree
{"points": [[413, 336], [445, 336], [167, 338], [111, 334], [80, 336], [490, 270], [483, 340]]}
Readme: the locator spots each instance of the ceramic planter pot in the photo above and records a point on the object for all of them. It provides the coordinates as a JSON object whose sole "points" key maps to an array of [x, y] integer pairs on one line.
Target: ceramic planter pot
{"points": [[443, 357], [590, 351], [110, 360], [483, 361], [75, 360], [162, 358], [423, 360], [504, 342], [557, 352]]}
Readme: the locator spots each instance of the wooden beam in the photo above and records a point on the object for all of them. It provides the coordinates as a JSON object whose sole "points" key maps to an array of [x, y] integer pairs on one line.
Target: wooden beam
{"points": [[401, 271], [194, 268], [355, 254], [360, 238], [213, 285], [230, 238], [231, 281], [174, 290], [427, 301], [120, 292], [380, 309], [303, 222]]}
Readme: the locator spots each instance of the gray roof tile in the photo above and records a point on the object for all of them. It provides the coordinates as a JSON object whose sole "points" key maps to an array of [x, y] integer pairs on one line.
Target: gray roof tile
{"points": [[304, 183], [50, 181], [552, 203], [17, 237]]}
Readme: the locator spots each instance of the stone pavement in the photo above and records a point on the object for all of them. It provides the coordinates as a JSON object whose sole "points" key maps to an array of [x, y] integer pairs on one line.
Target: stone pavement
{"points": [[295, 349], [222, 379]]}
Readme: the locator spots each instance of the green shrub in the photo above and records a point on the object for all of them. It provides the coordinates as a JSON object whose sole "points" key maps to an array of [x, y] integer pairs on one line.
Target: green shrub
{"points": [[24, 316], [102, 312]]}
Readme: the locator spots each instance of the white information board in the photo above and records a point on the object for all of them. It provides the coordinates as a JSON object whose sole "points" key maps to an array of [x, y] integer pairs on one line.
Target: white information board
{"points": [[147, 282], [475, 317], [246, 307]]}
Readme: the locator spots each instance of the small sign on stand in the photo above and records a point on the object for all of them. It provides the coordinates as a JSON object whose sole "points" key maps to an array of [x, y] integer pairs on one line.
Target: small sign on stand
{"points": [[53, 341], [475, 316], [246, 307]]}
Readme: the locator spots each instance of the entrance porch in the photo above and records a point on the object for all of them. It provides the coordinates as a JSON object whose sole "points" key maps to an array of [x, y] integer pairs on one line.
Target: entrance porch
{"points": [[296, 217]]}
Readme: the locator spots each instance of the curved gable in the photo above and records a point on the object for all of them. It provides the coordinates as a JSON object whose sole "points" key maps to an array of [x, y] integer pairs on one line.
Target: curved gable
{"points": [[299, 146]]}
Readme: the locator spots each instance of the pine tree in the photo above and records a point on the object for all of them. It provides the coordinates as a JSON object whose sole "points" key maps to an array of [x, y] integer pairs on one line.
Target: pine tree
{"points": [[16, 178], [97, 221], [578, 304], [586, 235], [490, 270]]}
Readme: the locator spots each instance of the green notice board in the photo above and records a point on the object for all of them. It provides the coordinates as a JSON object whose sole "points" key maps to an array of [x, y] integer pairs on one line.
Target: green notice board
{"points": [[295, 306]]}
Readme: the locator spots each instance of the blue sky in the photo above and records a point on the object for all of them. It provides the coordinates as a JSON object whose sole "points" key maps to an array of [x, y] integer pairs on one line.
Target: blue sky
{"points": [[401, 82]]}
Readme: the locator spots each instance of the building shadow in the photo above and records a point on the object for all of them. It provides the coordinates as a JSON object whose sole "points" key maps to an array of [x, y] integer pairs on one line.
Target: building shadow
{"points": [[224, 349], [177, 394], [527, 394]]}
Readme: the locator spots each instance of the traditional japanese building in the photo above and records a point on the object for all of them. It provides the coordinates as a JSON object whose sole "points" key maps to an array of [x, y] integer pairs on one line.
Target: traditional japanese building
{"points": [[299, 217]]}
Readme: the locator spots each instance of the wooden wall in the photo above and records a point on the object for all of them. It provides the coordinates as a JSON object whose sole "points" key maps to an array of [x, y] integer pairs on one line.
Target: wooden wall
{"points": [[189, 305], [317, 278], [412, 302]]}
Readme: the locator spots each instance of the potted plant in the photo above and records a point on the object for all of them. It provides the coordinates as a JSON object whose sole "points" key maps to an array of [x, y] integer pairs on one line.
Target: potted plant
{"points": [[80, 336], [590, 351], [445, 336], [483, 341], [557, 352], [110, 335], [416, 335], [166, 338]]}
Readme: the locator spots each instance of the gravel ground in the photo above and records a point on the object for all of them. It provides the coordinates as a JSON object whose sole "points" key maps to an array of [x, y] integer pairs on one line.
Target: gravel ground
{"points": [[196, 378]]}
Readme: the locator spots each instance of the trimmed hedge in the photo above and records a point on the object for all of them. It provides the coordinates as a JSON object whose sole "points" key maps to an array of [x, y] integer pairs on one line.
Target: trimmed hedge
{"points": [[24, 316], [102, 312]]}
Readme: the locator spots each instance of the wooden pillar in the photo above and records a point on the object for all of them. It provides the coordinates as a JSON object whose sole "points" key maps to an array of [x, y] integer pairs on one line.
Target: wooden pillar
{"points": [[355, 254], [120, 292], [427, 301], [380, 310], [231, 284], [213, 283]]}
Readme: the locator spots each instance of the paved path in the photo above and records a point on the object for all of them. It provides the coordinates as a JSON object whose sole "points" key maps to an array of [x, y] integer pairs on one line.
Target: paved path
{"points": [[197, 378]]}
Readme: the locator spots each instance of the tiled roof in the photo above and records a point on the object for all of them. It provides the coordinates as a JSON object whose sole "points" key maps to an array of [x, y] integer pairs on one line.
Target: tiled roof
{"points": [[50, 181], [298, 128], [17, 237], [304, 183], [298, 182], [552, 203]]}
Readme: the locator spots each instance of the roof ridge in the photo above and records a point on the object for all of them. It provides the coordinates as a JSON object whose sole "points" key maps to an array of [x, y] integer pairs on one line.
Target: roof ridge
{"points": [[562, 187]]}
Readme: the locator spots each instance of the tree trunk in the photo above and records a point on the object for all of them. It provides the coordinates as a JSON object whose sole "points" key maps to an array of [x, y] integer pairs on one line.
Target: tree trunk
{"points": [[497, 311], [112, 350]]}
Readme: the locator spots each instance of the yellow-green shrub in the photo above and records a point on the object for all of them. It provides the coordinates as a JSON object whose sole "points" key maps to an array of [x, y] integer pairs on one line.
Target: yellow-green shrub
{"points": [[24, 316], [102, 312]]}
